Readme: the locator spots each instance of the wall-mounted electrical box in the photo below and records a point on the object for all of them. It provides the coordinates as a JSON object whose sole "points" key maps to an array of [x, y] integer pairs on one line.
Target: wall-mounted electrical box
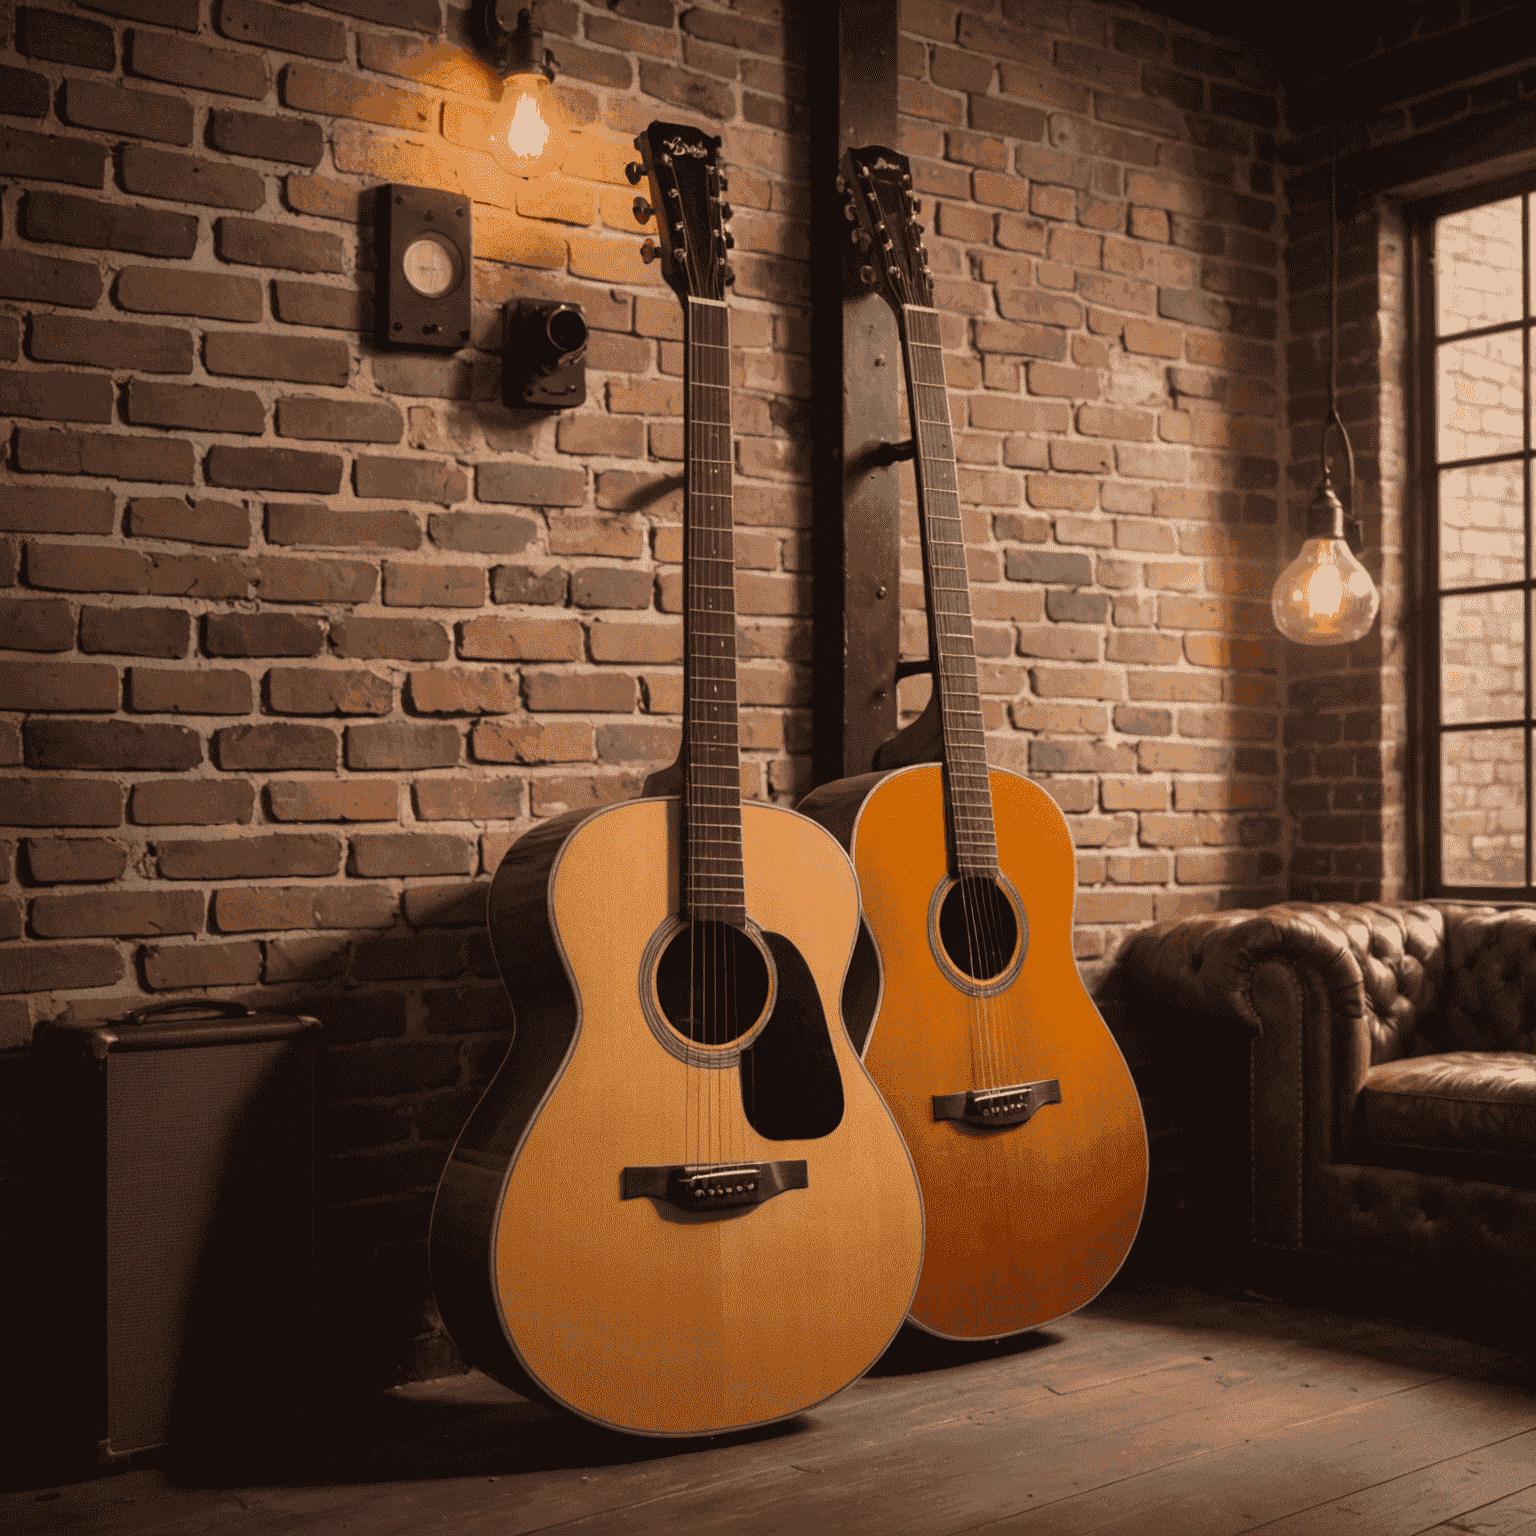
{"points": [[543, 355], [425, 244]]}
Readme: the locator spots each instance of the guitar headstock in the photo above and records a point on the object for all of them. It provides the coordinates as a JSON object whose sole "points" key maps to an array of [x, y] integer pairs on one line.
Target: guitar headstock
{"points": [[877, 184], [687, 199]]}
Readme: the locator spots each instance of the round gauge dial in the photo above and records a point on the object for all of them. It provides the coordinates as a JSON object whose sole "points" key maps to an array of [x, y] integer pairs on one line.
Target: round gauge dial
{"points": [[431, 266]]}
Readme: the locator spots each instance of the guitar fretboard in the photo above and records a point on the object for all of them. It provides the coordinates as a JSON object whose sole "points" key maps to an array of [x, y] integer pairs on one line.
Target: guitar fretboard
{"points": [[968, 788], [712, 870]]}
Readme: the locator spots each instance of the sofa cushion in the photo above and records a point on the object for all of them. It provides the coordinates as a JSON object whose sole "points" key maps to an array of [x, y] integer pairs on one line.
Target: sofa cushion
{"points": [[1468, 1101]]}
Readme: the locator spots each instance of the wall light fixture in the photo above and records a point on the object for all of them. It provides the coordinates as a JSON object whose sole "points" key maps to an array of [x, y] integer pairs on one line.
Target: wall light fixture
{"points": [[528, 137]]}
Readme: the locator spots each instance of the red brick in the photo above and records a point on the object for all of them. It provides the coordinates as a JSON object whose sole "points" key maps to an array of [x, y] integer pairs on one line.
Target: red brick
{"points": [[54, 802], [40, 624], [278, 580], [111, 344], [191, 179], [433, 586], [220, 523], [302, 359], [582, 692], [410, 853], [260, 244], [44, 34], [528, 584], [274, 747], [604, 586], [460, 691], [520, 740], [551, 796], [493, 533], [194, 408], [307, 523], [214, 295], [332, 94], [142, 114], [262, 634], [109, 914], [171, 966], [159, 691], [278, 27], [109, 744], [115, 457], [60, 218], [634, 643], [394, 639], [262, 136], [376, 747], [530, 485], [49, 279], [326, 691], [55, 396], [320, 304], [58, 967], [460, 799], [47, 157], [26, 94], [135, 631], [55, 509], [410, 479], [74, 860], [332, 800], [58, 687], [521, 639], [192, 802], [340, 421], [179, 61], [249, 858], [299, 906], [273, 469]]}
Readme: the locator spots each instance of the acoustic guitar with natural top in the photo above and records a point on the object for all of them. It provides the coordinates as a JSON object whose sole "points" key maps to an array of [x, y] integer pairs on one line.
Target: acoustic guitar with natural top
{"points": [[1013, 1097], [681, 1206]]}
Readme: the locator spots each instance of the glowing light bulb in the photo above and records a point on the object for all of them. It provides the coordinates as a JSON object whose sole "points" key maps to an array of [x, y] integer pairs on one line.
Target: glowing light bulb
{"points": [[526, 137], [1324, 596]]}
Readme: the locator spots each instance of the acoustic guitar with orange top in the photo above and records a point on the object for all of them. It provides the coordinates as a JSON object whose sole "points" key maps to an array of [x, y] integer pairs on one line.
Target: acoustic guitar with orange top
{"points": [[681, 1206], [1012, 1095]]}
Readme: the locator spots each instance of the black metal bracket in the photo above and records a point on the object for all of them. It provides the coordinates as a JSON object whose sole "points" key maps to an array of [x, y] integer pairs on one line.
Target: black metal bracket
{"points": [[894, 453], [912, 668]]}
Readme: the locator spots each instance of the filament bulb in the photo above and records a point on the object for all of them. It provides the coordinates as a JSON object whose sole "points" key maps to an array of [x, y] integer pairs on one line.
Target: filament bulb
{"points": [[1324, 596]]}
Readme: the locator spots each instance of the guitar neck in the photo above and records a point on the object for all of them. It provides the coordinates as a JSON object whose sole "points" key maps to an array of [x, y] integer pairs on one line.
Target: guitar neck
{"points": [[713, 885], [952, 643]]}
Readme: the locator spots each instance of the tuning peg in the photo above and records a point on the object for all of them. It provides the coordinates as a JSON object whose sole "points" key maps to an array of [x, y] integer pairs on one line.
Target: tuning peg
{"points": [[730, 241], [848, 212], [648, 252], [725, 186], [634, 170], [643, 211], [861, 239], [726, 210], [842, 184], [917, 205], [730, 276], [867, 276]]}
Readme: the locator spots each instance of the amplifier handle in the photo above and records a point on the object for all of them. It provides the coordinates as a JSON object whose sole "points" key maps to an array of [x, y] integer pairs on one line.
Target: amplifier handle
{"points": [[225, 1008]]}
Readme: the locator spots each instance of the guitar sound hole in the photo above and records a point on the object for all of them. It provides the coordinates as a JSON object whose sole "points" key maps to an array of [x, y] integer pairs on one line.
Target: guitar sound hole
{"points": [[712, 982], [978, 928]]}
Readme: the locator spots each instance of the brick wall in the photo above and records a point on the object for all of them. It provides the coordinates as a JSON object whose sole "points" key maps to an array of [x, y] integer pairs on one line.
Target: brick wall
{"points": [[300, 635]]}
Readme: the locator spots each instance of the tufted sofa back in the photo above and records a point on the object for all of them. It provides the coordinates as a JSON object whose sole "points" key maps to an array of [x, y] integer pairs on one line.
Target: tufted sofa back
{"points": [[1490, 982]]}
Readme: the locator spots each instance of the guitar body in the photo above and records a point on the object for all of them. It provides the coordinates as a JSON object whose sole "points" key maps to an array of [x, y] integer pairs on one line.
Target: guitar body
{"points": [[629, 1311], [1024, 1223]]}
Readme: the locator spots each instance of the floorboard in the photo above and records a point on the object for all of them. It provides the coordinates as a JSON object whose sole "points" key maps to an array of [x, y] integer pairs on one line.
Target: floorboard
{"points": [[1156, 1411]]}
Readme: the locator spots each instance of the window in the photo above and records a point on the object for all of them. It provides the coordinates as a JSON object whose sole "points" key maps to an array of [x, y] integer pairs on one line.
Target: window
{"points": [[1477, 313]]}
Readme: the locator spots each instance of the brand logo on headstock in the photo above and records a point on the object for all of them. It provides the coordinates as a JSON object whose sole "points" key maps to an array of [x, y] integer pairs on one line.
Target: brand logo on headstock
{"points": [[683, 147], [882, 164]]}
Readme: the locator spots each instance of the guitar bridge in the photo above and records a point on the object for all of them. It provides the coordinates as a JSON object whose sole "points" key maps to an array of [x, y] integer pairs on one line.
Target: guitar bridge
{"points": [[995, 1109], [714, 1186]]}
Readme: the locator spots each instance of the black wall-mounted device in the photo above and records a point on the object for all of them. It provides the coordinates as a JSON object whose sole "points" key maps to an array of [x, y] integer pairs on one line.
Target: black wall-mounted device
{"points": [[425, 244], [543, 355]]}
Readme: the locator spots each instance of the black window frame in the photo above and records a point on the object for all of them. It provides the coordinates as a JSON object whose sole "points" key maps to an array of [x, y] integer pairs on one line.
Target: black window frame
{"points": [[1426, 726]]}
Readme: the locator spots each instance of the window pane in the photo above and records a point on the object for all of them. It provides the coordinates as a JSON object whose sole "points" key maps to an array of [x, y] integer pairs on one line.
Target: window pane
{"points": [[1481, 639], [1482, 525], [1482, 800], [1478, 404], [1477, 267]]}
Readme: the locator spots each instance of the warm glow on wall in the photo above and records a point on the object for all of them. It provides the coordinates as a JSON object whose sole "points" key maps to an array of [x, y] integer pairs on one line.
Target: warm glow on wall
{"points": [[528, 131]]}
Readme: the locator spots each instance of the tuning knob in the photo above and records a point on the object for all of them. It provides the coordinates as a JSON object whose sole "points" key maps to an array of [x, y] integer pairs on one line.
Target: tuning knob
{"points": [[867, 276], [848, 213], [643, 211], [730, 241], [860, 237], [842, 183], [730, 276], [634, 170], [726, 210], [648, 252], [725, 186], [917, 205]]}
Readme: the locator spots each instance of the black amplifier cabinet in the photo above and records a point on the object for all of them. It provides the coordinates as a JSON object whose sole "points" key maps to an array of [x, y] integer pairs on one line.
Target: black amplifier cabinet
{"points": [[175, 1176]]}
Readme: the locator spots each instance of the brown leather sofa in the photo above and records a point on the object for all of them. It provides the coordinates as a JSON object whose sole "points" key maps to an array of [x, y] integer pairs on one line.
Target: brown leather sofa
{"points": [[1357, 1081]]}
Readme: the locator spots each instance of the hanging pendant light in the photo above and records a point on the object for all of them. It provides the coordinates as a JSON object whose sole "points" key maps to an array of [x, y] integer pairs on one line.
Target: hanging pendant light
{"points": [[527, 130], [1325, 596]]}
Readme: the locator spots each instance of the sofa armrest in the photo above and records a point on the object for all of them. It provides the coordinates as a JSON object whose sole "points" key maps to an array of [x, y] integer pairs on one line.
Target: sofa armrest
{"points": [[1322, 991]]}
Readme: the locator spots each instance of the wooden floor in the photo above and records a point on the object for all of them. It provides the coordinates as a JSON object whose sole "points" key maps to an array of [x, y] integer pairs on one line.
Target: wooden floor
{"points": [[1155, 1412]]}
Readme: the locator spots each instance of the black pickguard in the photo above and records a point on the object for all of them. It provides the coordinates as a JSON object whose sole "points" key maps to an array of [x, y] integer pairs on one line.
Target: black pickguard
{"points": [[791, 1089]]}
